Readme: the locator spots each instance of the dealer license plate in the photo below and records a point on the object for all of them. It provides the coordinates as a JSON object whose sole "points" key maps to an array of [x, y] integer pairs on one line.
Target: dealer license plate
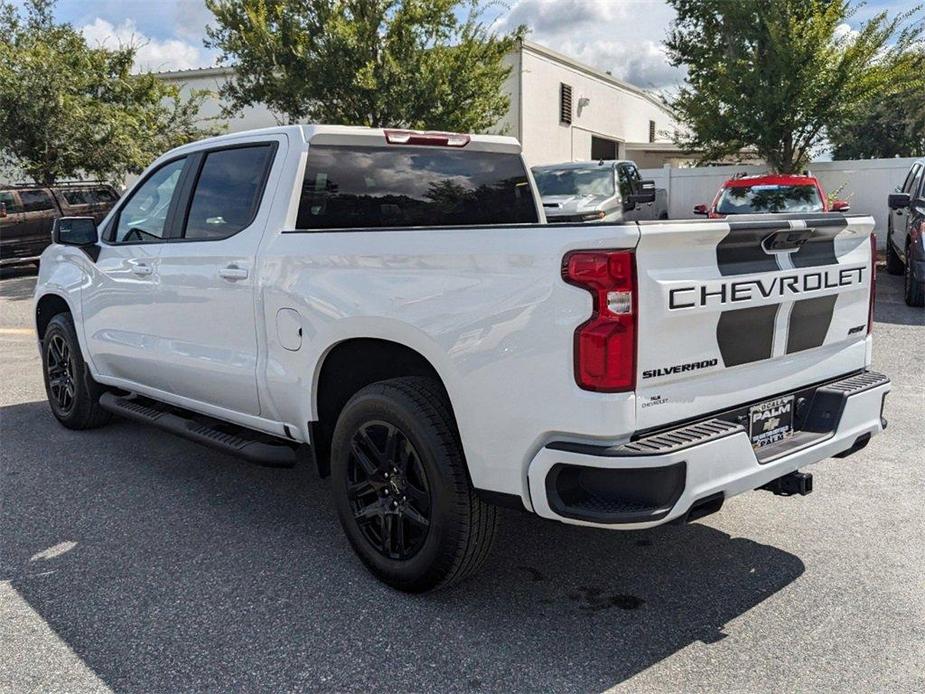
{"points": [[770, 421]]}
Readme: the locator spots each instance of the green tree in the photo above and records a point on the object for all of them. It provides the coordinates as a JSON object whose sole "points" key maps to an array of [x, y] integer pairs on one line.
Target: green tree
{"points": [[893, 127], [381, 63], [67, 109], [774, 77]]}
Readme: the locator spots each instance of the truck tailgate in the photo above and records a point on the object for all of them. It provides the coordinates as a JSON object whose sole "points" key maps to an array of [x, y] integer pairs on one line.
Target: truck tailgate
{"points": [[734, 311]]}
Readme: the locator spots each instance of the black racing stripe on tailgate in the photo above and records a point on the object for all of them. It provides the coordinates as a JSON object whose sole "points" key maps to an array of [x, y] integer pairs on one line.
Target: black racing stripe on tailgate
{"points": [[819, 249], [740, 251], [809, 322], [746, 334]]}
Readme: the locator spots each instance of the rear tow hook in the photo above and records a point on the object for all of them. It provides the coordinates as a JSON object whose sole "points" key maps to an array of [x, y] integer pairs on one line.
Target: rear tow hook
{"points": [[792, 483]]}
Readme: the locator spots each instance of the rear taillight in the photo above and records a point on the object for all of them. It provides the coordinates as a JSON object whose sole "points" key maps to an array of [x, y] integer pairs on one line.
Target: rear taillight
{"points": [[434, 139], [605, 344], [873, 283]]}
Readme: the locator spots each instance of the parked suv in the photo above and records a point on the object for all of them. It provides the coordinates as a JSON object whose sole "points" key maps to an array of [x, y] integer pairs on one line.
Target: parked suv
{"points": [[774, 193], [28, 212], [905, 254]]}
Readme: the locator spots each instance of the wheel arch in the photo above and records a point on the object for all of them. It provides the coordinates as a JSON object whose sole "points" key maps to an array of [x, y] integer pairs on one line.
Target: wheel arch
{"points": [[351, 364], [47, 307]]}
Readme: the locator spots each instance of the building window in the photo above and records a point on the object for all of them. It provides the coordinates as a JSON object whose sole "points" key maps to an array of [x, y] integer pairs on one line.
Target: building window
{"points": [[565, 104], [651, 131]]}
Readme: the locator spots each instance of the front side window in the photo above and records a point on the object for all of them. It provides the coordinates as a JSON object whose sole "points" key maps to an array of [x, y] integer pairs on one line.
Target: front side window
{"points": [[910, 178], [228, 192], [143, 218], [370, 187], [572, 181], [36, 200], [769, 198], [9, 202]]}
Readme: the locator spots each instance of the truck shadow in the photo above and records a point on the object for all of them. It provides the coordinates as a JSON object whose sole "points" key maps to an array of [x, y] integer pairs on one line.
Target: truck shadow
{"points": [[165, 566]]}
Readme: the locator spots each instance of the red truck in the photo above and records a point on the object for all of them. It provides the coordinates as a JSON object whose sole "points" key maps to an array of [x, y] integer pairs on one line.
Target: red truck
{"points": [[772, 193]]}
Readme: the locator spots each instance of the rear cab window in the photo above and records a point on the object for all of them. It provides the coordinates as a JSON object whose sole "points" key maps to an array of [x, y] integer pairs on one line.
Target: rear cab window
{"points": [[761, 198], [368, 187]]}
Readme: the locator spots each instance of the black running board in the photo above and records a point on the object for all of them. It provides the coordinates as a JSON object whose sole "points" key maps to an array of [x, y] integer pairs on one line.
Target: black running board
{"points": [[252, 446]]}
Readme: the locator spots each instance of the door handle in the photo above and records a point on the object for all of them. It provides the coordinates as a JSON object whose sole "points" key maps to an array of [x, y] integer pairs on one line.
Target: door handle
{"points": [[233, 273], [142, 269]]}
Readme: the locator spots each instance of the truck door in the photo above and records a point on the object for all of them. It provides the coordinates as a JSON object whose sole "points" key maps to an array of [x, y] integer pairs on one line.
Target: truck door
{"points": [[11, 227], [39, 212], [118, 307], [205, 309], [899, 219]]}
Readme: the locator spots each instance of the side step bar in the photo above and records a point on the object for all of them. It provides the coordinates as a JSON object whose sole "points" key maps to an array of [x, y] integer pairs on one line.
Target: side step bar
{"points": [[252, 446]]}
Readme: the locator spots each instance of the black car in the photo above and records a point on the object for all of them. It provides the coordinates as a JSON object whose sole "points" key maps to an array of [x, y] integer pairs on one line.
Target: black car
{"points": [[28, 212], [905, 253]]}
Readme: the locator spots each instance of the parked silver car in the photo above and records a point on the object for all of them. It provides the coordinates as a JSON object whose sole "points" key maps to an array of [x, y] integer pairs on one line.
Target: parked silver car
{"points": [[604, 191]]}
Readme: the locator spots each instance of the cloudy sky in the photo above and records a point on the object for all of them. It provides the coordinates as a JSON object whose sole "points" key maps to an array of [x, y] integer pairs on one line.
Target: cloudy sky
{"points": [[623, 36]]}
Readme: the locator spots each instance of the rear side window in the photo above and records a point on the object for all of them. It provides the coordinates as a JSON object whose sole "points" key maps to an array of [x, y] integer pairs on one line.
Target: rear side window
{"points": [[370, 187], [228, 192], [104, 195], [35, 200], [77, 197]]}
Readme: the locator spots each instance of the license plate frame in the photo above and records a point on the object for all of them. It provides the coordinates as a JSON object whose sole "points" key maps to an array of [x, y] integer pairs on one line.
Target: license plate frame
{"points": [[771, 421]]}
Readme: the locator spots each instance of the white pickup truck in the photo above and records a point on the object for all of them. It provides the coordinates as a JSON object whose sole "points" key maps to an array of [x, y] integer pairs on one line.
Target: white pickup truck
{"points": [[393, 303]]}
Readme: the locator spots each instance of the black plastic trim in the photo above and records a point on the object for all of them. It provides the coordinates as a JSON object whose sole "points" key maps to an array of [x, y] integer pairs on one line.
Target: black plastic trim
{"points": [[614, 496], [255, 447], [501, 499]]}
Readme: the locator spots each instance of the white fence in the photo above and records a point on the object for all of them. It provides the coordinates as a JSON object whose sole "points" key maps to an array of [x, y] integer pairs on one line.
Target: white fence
{"points": [[865, 184]]}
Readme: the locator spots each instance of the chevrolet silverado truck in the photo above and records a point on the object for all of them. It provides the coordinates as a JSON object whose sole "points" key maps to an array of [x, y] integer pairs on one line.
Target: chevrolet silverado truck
{"points": [[393, 306], [603, 191]]}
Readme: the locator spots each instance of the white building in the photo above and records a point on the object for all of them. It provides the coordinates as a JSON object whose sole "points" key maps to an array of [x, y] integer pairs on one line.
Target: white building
{"points": [[561, 110]]}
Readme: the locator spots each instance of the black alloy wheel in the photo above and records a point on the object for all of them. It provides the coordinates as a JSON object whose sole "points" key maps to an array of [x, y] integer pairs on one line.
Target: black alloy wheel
{"points": [[59, 366], [388, 489]]}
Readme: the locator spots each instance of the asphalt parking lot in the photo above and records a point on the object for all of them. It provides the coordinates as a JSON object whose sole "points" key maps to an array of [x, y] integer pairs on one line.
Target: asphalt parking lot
{"points": [[131, 560]]}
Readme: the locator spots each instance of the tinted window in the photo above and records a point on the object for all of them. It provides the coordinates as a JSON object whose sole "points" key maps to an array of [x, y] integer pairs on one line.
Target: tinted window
{"points": [[915, 187], [35, 200], [907, 184], [103, 195], [76, 197], [7, 199], [363, 187], [144, 216], [572, 181], [769, 198], [228, 192]]}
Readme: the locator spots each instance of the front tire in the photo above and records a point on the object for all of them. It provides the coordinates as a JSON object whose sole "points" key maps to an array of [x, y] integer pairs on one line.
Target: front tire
{"points": [[401, 488], [72, 393], [894, 264], [914, 289]]}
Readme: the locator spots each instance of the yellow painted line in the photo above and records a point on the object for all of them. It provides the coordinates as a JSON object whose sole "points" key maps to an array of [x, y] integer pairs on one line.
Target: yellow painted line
{"points": [[17, 331]]}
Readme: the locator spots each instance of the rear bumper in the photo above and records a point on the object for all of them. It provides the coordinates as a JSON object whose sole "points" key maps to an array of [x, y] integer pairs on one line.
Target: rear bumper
{"points": [[658, 478]]}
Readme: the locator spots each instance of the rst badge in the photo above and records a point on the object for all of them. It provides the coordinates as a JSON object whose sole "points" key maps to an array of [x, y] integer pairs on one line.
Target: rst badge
{"points": [[770, 421]]}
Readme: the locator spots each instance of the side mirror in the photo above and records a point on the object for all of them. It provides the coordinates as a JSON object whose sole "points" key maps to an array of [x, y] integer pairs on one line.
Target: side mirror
{"points": [[75, 231], [840, 206], [2, 209], [645, 192], [899, 201], [701, 209]]}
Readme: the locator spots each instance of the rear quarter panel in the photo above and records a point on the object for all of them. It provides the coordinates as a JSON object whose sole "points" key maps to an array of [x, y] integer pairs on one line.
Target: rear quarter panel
{"points": [[486, 306]]}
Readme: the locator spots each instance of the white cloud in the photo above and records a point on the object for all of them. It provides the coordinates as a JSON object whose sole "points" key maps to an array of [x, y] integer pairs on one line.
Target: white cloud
{"points": [[623, 37], [152, 54]]}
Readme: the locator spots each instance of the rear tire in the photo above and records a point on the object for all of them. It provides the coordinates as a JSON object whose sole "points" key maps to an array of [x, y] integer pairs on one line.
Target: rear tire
{"points": [[72, 393], [894, 264], [401, 488], [914, 289]]}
